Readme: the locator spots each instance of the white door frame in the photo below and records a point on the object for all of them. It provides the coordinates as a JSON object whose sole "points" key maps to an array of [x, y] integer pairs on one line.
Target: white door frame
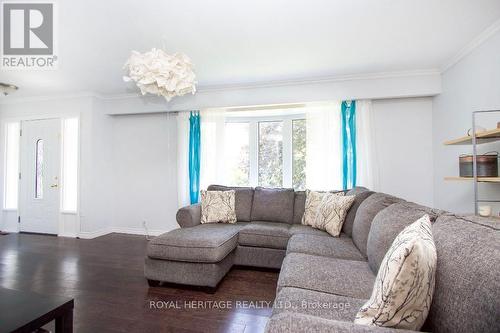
{"points": [[62, 213]]}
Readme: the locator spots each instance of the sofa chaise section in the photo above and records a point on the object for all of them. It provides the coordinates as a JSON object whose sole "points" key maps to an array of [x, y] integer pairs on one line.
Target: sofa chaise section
{"points": [[199, 255]]}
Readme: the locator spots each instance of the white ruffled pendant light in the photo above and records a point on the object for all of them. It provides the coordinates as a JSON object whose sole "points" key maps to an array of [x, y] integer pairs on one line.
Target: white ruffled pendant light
{"points": [[158, 73]]}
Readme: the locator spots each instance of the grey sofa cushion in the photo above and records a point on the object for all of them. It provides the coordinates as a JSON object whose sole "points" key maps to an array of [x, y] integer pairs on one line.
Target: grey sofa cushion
{"points": [[299, 206], [189, 216], [243, 199], [364, 217], [295, 322], [361, 195], [329, 275], [388, 224], [273, 204], [467, 293], [328, 246], [202, 243], [305, 301], [265, 234], [296, 229]]}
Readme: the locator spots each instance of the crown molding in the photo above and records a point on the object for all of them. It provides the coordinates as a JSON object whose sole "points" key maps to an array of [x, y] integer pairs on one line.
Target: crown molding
{"points": [[45, 98], [229, 87], [472, 45], [292, 82]]}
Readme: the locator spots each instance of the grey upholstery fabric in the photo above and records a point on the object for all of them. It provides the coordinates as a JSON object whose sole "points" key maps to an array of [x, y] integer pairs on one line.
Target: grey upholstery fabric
{"points": [[293, 322], [243, 198], [265, 234], [296, 229], [315, 303], [189, 273], [189, 216], [259, 257], [299, 206], [467, 293], [364, 217], [335, 276], [388, 224], [356, 190], [202, 243], [273, 204], [328, 246], [351, 214]]}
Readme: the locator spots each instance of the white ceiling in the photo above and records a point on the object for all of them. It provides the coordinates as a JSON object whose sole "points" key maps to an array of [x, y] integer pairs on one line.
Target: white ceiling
{"points": [[242, 41]]}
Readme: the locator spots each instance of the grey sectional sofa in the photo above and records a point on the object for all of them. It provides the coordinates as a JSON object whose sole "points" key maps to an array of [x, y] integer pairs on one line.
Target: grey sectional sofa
{"points": [[325, 280]]}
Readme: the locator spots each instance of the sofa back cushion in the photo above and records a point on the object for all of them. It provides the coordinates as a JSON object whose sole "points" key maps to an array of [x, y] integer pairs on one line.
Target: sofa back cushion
{"points": [[273, 204], [299, 206], [388, 223], [243, 200], [364, 217], [467, 292], [361, 194]]}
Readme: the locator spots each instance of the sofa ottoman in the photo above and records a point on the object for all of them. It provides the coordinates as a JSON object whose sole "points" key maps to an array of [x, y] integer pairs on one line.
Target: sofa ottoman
{"points": [[197, 256]]}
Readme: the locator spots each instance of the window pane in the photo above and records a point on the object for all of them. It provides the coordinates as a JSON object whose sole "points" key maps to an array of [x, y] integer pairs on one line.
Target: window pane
{"points": [[70, 165], [237, 154], [11, 165], [299, 154], [39, 170], [271, 153]]}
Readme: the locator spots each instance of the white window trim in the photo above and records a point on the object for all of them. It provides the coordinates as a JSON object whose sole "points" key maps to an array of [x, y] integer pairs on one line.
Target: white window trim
{"points": [[254, 144]]}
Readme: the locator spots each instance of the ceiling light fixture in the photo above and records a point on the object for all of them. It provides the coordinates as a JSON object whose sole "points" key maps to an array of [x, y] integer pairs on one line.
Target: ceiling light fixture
{"points": [[158, 73], [6, 89]]}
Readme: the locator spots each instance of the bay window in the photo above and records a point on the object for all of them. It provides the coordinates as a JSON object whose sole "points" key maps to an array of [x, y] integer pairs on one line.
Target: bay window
{"points": [[265, 151]]}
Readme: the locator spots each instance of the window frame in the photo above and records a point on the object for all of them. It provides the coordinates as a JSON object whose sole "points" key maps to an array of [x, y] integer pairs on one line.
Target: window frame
{"points": [[253, 143]]}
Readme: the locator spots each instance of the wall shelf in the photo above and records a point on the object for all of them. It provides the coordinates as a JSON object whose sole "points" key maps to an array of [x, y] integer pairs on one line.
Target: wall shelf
{"points": [[483, 137], [479, 179], [475, 139]]}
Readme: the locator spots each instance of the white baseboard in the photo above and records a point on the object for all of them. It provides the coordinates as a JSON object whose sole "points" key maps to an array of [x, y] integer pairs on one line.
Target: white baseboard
{"points": [[102, 232], [94, 234], [137, 231]]}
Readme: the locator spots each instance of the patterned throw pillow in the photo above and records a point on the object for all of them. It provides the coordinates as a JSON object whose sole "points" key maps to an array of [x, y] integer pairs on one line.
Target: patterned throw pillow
{"points": [[404, 285], [313, 201], [332, 212], [218, 206]]}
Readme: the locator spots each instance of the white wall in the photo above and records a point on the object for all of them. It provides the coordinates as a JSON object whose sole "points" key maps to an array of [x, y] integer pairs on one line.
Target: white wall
{"points": [[472, 84], [145, 172], [128, 163], [403, 134]]}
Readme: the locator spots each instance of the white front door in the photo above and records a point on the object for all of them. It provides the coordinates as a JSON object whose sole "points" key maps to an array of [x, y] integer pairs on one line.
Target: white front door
{"points": [[39, 178]]}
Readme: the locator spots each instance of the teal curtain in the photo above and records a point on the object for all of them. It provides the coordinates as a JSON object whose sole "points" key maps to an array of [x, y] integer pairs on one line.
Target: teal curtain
{"points": [[348, 124], [194, 156]]}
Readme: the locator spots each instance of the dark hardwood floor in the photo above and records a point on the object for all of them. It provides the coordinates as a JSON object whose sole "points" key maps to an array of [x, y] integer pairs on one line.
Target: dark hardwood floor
{"points": [[105, 277]]}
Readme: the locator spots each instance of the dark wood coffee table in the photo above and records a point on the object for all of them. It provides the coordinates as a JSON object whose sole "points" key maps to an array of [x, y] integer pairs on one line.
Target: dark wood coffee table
{"points": [[26, 311]]}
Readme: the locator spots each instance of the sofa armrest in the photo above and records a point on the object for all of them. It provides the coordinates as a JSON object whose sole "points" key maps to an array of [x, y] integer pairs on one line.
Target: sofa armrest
{"points": [[296, 322], [189, 216]]}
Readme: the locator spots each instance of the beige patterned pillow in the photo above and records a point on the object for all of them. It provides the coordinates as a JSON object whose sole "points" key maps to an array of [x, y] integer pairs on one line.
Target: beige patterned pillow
{"points": [[313, 201], [218, 206], [404, 285], [332, 212]]}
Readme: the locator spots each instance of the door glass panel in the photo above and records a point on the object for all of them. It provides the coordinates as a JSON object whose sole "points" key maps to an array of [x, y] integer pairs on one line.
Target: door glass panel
{"points": [[39, 170], [271, 153]]}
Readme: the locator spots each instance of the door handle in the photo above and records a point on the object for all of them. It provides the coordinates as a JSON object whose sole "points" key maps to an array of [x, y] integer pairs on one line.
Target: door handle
{"points": [[54, 186]]}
